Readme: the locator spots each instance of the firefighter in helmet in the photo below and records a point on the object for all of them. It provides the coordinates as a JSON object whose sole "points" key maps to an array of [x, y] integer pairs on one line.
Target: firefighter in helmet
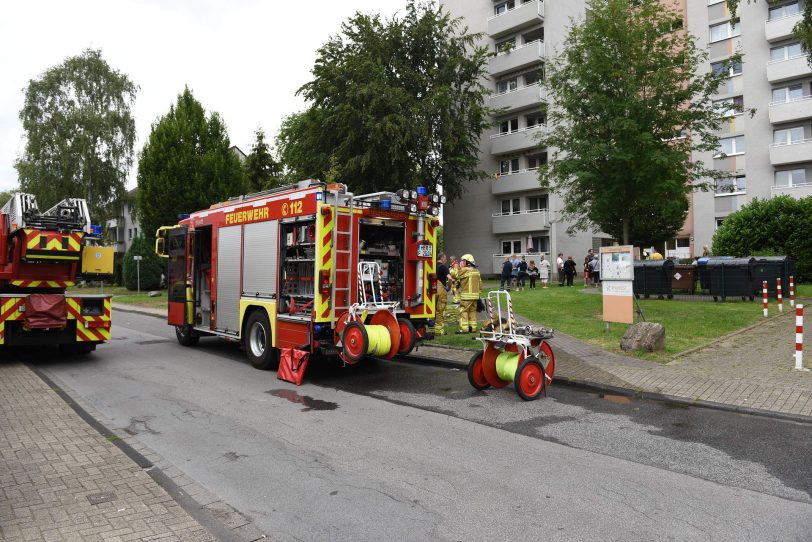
{"points": [[469, 280], [442, 295]]}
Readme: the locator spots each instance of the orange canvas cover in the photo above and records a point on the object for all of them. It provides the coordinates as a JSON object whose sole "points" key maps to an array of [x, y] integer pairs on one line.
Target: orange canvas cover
{"points": [[44, 311]]}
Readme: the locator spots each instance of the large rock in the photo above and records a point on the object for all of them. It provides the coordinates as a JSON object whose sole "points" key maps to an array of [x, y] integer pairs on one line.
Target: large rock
{"points": [[646, 336]]}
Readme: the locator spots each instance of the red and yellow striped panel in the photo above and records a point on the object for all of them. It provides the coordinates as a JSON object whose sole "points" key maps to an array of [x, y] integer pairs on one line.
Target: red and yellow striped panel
{"points": [[429, 267], [90, 328], [42, 283], [52, 245], [9, 310], [325, 220]]}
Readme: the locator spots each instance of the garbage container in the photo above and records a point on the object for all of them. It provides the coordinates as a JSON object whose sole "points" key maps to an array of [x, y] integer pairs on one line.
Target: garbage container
{"points": [[770, 268], [684, 278], [730, 278], [653, 277], [702, 271]]}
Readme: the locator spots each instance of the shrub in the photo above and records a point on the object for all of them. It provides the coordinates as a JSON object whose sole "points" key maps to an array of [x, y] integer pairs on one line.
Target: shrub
{"points": [[151, 267], [777, 226]]}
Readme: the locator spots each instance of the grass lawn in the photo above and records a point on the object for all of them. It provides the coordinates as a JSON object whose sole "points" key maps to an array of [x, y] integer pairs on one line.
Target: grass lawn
{"points": [[687, 323], [123, 295]]}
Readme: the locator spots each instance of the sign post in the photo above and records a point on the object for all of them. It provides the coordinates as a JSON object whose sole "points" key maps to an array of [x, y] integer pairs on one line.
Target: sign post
{"points": [[617, 278], [138, 271]]}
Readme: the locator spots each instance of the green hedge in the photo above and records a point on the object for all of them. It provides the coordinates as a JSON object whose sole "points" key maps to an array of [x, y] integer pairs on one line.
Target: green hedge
{"points": [[777, 226], [151, 268]]}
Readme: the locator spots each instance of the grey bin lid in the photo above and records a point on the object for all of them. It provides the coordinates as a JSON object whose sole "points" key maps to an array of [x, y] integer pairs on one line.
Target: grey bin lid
{"points": [[729, 262], [654, 263]]}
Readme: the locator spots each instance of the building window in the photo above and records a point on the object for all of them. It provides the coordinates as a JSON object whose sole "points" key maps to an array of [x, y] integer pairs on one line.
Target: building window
{"points": [[723, 31], [506, 167], [719, 222], [788, 136], [731, 146], [536, 161], [729, 107], [538, 244], [536, 203], [731, 69], [532, 77], [788, 94], [129, 233], [503, 7], [135, 232], [785, 52], [507, 85], [511, 206], [731, 185], [712, 2], [534, 119], [507, 126], [505, 45], [790, 177], [511, 247], [787, 10]]}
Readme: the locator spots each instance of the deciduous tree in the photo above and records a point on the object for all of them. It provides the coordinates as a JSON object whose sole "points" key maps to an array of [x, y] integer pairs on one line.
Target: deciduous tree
{"points": [[629, 108], [186, 165], [393, 103], [262, 170], [80, 134]]}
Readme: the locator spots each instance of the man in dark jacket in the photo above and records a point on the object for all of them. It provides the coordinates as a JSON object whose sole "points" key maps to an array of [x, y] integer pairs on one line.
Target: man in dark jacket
{"points": [[569, 270], [507, 269]]}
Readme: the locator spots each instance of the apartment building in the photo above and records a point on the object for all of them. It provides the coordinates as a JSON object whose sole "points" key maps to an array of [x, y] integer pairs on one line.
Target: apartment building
{"points": [[510, 213], [771, 153]]}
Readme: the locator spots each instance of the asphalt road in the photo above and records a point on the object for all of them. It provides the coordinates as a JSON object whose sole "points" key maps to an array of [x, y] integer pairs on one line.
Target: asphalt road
{"points": [[395, 451]]}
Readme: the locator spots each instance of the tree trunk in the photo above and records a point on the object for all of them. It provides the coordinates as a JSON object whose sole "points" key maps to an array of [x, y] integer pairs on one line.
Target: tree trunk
{"points": [[625, 230]]}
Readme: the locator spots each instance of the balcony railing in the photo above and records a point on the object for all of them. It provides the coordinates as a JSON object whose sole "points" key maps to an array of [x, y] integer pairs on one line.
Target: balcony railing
{"points": [[517, 140], [791, 153], [795, 190], [516, 181], [518, 18], [520, 221], [517, 58], [797, 109], [788, 68], [781, 28], [520, 97]]}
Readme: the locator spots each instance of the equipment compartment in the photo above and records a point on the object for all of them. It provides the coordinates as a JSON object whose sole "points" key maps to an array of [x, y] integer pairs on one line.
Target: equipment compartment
{"points": [[298, 267], [382, 241]]}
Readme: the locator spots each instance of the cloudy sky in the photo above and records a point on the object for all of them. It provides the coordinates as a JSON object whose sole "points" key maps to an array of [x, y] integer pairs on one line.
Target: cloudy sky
{"points": [[242, 58]]}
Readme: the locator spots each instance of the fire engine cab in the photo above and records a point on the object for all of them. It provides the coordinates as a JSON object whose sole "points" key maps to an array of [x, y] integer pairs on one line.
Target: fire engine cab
{"points": [[306, 269]]}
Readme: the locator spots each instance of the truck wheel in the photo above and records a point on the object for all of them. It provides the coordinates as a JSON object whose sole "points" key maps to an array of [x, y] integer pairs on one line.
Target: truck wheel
{"points": [[186, 335], [408, 336], [257, 342], [76, 349]]}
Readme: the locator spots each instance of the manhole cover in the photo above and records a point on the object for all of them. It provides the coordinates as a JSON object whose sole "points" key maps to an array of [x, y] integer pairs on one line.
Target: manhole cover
{"points": [[98, 498]]}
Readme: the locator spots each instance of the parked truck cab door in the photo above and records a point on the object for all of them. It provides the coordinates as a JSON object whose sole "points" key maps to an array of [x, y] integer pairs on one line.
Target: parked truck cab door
{"points": [[179, 289]]}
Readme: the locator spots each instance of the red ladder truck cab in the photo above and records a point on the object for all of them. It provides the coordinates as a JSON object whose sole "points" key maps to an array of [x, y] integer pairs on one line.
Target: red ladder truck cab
{"points": [[310, 268]]}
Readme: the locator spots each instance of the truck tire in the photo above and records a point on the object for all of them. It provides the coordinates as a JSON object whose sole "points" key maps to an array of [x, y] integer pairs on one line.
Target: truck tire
{"points": [[186, 335], [257, 342]]}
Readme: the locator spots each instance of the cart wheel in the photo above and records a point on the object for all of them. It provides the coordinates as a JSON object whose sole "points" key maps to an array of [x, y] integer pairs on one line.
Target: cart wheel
{"points": [[356, 342], [547, 350], [530, 379], [186, 335], [408, 336], [475, 375], [257, 342]]}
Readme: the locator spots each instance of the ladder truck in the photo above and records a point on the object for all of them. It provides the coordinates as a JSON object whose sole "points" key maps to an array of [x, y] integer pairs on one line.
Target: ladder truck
{"points": [[41, 255], [306, 269]]}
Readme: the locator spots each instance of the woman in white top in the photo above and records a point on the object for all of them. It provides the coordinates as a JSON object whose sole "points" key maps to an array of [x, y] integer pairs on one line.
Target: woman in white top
{"points": [[544, 272]]}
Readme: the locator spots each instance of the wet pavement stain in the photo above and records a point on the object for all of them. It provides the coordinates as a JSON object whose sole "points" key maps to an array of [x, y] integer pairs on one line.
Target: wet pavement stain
{"points": [[618, 399], [233, 456], [308, 402]]}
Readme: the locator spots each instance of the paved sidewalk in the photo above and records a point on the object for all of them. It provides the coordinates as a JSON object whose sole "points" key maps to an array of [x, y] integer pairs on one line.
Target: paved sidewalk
{"points": [[60, 479]]}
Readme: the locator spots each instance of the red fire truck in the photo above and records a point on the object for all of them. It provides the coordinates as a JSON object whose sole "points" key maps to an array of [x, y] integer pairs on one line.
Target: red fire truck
{"points": [[41, 254], [306, 269]]}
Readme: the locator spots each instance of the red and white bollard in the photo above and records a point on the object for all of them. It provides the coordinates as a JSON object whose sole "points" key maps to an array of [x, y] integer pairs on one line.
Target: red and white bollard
{"points": [[791, 291], [799, 338], [780, 295], [764, 294]]}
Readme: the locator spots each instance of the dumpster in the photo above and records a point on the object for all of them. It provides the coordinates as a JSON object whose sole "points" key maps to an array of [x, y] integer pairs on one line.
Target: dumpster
{"points": [[770, 268], [653, 277], [731, 277], [702, 271], [683, 277]]}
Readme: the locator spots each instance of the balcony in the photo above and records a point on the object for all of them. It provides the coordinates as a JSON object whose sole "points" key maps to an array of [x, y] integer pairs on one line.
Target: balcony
{"points": [[784, 70], [499, 259], [517, 59], [521, 221], [521, 98], [519, 18], [791, 153], [518, 141], [797, 191], [793, 110], [779, 29], [518, 181]]}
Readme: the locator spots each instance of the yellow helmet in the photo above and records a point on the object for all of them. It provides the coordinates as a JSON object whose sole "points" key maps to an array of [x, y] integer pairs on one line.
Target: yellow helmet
{"points": [[468, 258]]}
